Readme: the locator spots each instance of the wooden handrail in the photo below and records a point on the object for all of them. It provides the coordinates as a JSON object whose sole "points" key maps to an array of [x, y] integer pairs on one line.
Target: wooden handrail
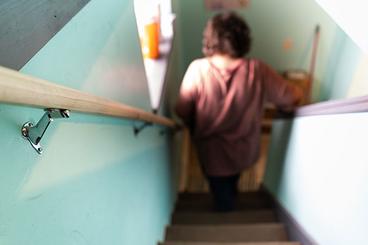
{"points": [[332, 107], [17, 88], [351, 105]]}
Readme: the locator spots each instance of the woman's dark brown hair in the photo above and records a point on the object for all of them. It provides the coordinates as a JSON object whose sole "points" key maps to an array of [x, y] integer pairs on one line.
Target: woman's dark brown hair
{"points": [[227, 34]]}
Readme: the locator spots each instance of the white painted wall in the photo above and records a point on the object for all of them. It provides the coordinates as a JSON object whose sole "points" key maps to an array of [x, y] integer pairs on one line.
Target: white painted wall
{"points": [[318, 170], [351, 16]]}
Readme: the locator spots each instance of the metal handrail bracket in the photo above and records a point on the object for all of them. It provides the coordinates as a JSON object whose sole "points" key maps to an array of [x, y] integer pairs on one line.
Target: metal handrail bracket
{"points": [[34, 133]]}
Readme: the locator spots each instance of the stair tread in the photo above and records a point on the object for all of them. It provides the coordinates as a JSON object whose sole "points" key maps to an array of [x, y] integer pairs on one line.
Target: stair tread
{"points": [[183, 196], [227, 233], [203, 201], [237, 217], [235, 226], [208, 205], [230, 243], [253, 223]]}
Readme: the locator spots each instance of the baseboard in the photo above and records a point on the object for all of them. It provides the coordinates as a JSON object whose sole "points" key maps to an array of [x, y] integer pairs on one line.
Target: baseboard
{"points": [[295, 231]]}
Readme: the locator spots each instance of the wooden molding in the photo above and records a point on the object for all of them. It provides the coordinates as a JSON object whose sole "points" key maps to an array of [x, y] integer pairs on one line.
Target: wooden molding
{"points": [[184, 160], [17, 88]]}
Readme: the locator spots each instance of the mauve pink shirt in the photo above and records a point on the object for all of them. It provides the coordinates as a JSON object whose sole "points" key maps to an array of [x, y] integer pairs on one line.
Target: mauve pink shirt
{"points": [[224, 108]]}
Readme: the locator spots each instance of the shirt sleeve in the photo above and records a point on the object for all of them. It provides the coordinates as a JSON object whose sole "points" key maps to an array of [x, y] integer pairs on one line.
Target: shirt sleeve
{"points": [[185, 105], [277, 90]]}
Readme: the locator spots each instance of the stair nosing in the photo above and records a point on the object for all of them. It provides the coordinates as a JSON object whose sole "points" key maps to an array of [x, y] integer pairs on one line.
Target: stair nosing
{"points": [[271, 224]]}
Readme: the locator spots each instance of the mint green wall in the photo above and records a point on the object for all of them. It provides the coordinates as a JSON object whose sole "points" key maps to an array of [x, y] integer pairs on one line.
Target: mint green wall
{"points": [[97, 52], [318, 170], [177, 57], [95, 183], [341, 69]]}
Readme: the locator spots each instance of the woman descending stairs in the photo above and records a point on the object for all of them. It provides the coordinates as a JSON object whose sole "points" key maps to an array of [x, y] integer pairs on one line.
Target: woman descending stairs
{"points": [[253, 223]]}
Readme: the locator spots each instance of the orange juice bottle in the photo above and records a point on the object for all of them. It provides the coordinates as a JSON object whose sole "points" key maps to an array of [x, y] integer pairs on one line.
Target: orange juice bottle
{"points": [[151, 39]]}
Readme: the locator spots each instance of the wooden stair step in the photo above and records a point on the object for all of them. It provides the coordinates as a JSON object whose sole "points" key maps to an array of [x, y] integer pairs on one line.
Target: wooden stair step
{"points": [[200, 196], [227, 233], [230, 243], [206, 204], [256, 216]]}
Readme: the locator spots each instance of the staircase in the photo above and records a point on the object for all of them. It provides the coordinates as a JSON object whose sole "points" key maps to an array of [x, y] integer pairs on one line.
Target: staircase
{"points": [[253, 223]]}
